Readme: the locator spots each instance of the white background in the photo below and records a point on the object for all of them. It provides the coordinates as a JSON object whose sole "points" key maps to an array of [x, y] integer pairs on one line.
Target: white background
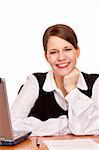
{"points": [[22, 24]]}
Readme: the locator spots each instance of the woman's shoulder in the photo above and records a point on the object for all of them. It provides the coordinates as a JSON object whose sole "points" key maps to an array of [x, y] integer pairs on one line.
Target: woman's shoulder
{"points": [[90, 75], [40, 76], [90, 78]]}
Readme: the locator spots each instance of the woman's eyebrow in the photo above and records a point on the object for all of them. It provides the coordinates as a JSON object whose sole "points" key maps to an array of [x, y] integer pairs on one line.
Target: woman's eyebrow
{"points": [[53, 49], [67, 46]]}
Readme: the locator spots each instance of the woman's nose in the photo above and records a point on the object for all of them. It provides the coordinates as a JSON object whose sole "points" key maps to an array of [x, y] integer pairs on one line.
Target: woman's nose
{"points": [[61, 56]]}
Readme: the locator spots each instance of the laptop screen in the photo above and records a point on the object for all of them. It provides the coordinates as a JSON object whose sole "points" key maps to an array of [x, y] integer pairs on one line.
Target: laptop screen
{"points": [[5, 120]]}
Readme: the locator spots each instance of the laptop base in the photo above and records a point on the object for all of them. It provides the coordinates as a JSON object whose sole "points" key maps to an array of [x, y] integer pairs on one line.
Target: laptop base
{"points": [[14, 142]]}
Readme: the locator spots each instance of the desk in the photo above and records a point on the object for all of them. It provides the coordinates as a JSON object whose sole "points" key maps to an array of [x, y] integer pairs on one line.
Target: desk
{"points": [[29, 144]]}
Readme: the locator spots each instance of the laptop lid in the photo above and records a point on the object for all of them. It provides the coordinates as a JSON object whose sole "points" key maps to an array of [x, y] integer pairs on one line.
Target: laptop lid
{"points": [[6, 132], [5, 119]]}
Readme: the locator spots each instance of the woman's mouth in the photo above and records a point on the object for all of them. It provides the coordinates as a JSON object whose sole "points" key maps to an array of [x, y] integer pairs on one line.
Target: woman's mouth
{"points": [[62, 66]]}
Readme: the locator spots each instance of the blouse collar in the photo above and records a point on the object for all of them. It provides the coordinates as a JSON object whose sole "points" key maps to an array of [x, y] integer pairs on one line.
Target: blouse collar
{"points": [[50, 85]]}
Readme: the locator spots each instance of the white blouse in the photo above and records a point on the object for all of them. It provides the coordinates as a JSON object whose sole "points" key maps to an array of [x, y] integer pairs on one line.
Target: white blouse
{"points": [[83, 111]]}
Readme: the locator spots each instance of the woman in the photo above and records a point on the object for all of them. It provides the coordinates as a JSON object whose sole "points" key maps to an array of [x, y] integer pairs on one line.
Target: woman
{"points": [[63, 100]]}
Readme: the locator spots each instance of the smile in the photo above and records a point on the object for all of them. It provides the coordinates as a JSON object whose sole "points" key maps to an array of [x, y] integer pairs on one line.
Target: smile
{"points": [[63, 65]]}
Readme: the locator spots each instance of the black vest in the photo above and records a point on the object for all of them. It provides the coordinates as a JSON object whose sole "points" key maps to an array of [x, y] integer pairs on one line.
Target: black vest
{"points": [[46, 106]]}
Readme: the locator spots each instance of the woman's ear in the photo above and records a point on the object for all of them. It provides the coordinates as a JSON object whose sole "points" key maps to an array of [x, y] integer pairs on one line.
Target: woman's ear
{"points": [[45, 54], [78, 52]]}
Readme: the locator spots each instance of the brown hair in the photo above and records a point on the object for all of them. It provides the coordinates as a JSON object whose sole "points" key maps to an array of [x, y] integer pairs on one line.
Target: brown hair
{"points": [[62, 31]]}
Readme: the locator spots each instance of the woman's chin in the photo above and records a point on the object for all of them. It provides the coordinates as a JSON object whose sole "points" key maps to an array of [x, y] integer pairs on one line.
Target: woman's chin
{"points": [[62, 74], [65, 73]]}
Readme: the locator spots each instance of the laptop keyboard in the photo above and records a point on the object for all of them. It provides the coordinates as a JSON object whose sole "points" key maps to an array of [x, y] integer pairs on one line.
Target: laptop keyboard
{"points": [[18, 133]]}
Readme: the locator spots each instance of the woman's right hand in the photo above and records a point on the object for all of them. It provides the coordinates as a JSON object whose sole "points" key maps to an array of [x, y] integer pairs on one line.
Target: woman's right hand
{"points": [[70, 80]]}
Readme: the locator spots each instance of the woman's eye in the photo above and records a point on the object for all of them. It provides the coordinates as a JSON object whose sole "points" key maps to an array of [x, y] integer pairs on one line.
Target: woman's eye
{"points": [[53, 52], [67, 49]]}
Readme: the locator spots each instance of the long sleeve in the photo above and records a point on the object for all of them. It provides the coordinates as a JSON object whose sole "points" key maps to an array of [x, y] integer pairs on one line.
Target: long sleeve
{"points": [[25, 99], [84, 111], [52, 126]]}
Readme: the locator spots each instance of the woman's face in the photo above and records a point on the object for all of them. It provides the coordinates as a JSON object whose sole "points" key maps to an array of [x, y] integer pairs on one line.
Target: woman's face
{"points": [[61, 55]]}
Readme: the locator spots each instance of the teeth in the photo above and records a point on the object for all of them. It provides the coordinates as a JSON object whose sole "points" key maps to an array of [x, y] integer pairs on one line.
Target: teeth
{"points": [[63, 65]]}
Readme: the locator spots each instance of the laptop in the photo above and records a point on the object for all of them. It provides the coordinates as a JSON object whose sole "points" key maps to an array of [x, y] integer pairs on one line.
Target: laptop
{"points": [[7, 135]]}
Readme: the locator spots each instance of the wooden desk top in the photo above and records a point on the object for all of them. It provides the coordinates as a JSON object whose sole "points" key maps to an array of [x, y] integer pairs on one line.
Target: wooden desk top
{"points": [[30, 143]]}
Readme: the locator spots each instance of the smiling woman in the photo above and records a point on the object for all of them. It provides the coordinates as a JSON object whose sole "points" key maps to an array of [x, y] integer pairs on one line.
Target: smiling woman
{"points": [[61, 55], [63, 100]]}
